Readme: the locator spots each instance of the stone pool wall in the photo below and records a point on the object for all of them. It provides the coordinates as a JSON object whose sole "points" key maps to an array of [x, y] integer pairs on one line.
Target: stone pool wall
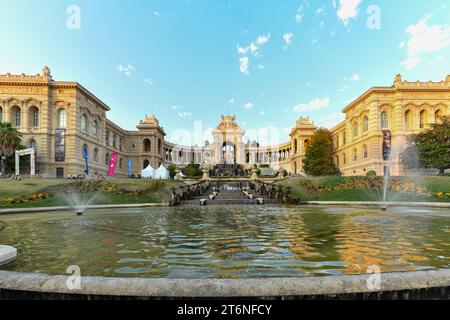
{"points": [[430, 284]]}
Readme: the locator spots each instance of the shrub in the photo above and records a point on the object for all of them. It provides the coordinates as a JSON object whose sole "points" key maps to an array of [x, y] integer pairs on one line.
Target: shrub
{"points": [[371, 173]]}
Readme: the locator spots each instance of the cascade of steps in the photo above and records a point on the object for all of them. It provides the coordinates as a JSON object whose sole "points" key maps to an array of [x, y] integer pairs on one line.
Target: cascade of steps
{"points": [[229, 197]]}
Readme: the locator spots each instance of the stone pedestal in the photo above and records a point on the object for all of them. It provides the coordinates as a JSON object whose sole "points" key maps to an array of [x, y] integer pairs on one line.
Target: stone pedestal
{"points": [[280, 174], [254, 175], [205, 176], [7, 255]]}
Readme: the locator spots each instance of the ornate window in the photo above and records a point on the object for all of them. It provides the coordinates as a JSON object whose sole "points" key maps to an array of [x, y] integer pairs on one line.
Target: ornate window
{"points": [[344, 137], [114, 141], [384, 120], [84, 121], [120, 144], [107, 137], [107, 159], [95, 155], [438, 115], [337, 161], [95, 129], [62, 118], [33, 144], [120, 163], [35, 117], [17, 114], [408, 120], [355, 129], [344, 157], [422, 119], [147, 145], [355, 154], [366, 123], [365, 152]]}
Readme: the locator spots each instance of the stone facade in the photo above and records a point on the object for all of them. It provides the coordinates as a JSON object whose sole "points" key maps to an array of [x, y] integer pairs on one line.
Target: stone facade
{"points": [[61, 119]]}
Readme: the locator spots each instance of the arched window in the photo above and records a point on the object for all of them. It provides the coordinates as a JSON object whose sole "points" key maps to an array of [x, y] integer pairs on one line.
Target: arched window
{"points": [[384, 120], [159, 146], [120, 163], [114, 141], [355, 129], [422, 119], [1, 114], [337, 161], [120, 144], [16, 116], [355, 154], [62, 118], [438, 116], [33, 144], [344, 157], [107, 137], [146, 164], [33, 116], [366, 123], [344, 137], [107, 159], [95, 129], [95, 155], [84, 123], [147, 145], [408, 120], [306, 144], [365, 152]]}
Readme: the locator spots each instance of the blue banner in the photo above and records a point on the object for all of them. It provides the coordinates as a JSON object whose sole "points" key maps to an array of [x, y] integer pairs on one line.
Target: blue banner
{"points": [[85, 152], [129, 167]]}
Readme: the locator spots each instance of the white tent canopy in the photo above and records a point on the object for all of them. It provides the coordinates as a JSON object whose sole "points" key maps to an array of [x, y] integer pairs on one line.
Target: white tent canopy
{"points": [[148, 172], [160, 173]]}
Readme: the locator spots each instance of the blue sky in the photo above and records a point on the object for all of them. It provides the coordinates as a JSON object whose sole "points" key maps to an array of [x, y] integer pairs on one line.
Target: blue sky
{"points": [[189, 61]]}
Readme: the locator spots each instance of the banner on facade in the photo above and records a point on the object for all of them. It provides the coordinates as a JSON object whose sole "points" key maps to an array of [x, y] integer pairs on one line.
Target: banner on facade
{"points": [[129, 167], [387, 147], [60, 146], [112, 164], [86, 160]]}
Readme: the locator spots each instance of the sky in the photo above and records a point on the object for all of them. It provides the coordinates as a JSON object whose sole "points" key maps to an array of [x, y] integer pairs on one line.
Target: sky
{"points": [[189, 61]]}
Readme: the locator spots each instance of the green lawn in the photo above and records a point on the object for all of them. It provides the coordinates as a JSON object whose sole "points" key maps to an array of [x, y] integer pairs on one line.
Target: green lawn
{"points": [[346, 189], [110, 191]]}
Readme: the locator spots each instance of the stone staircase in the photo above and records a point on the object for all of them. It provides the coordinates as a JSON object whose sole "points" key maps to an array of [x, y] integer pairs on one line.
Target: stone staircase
{"points": [[230, 197]]}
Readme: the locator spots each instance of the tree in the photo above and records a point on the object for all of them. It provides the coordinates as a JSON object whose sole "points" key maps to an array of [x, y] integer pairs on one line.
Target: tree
{"points": [[318, 158], [172, 170], [10, 140], [429, 148]]}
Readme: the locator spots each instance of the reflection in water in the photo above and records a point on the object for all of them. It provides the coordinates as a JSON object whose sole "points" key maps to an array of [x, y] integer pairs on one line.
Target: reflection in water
{"points": [[230, 242]]}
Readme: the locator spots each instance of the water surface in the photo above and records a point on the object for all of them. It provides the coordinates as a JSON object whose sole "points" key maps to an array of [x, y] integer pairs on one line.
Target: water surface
{"points": [[230, 242]]}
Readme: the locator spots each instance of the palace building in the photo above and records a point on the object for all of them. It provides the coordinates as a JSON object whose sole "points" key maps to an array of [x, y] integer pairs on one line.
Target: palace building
{"points": [[64, 122]]}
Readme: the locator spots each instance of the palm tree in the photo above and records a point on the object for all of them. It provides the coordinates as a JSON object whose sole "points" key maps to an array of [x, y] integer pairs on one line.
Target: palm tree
{"points": [[10, 140]]}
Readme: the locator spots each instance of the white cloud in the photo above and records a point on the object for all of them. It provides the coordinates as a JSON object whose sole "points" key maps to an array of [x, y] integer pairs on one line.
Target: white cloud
{"points": [[262, 66], [263, 39], [354, 77], [184, 114], [243, 65], [321, 9], [262, 113], [232, 100], [175, 107], [252, 48], [401, 44], [315, 104], [424, 39], [248, 105], [411, 63], [298, 18], [348, 9], [156, 13], [149, 82], [287, 37], [126, 70]]}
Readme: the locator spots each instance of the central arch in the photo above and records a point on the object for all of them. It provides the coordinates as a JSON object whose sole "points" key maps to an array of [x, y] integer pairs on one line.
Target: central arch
{"points": [[229, 152]]}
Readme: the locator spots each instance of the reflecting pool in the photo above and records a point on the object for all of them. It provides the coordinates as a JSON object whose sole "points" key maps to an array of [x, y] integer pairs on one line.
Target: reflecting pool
{"points": [[229, 242]]}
